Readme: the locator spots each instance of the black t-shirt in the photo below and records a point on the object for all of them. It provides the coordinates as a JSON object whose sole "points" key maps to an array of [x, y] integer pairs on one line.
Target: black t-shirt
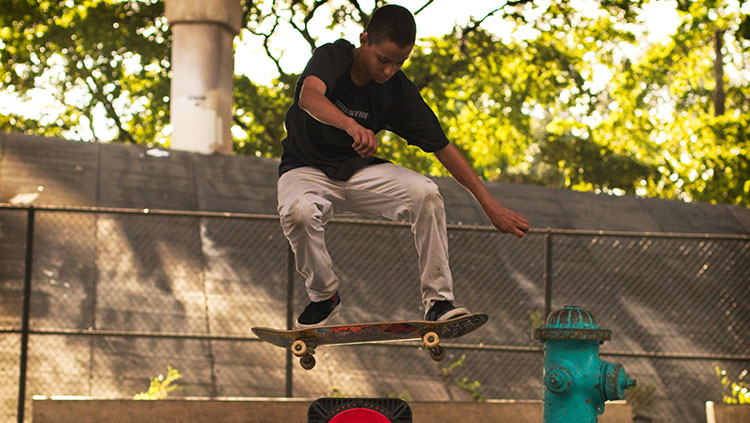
{"points": [[395, 105]]}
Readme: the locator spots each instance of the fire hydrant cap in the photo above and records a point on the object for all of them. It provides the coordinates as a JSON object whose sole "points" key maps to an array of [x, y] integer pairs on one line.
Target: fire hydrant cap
{"points": [[614, 381], [571, 322]]}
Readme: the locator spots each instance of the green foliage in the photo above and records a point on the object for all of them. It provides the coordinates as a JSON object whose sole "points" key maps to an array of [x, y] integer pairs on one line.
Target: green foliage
{"points": [[161, 386], [472, 387], [335, 392], [664, 111], [536, 319], [99, 60], [259, 112], [733, 392], [529, 108]]}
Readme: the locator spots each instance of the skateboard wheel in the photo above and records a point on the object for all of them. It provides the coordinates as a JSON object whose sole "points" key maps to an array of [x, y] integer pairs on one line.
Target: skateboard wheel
{"points": [[431, 340], [307, 361], [299, 348], [437, 354]]}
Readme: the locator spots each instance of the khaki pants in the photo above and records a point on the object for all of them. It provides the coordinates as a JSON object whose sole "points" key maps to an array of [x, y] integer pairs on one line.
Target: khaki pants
{"points": [[308, 199]]}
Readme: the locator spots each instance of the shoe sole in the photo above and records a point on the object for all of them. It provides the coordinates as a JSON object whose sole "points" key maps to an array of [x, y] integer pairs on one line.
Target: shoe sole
{"points": [[452, 314], [298, 325]]}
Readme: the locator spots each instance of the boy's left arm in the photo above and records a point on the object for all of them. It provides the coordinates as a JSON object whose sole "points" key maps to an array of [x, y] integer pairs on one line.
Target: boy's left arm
{"points": [[505, 220]]}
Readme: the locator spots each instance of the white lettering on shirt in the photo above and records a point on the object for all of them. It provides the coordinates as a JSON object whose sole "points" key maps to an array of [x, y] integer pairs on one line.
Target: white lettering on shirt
{"points": [[358, 114]]}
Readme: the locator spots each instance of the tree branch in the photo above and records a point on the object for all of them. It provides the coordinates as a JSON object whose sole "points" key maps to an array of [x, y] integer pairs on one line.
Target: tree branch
{"points": [[305, 30], [266, 44], [424, 6], [97, 93]]}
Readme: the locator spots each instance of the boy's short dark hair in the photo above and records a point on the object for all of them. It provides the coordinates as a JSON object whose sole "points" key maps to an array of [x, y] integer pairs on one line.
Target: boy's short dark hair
{"points": [[392, 23]]}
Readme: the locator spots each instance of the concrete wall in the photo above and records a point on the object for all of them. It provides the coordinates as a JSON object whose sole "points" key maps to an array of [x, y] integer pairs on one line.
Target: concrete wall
{"points": [[123, 175], [283, 411], [724, 413]]}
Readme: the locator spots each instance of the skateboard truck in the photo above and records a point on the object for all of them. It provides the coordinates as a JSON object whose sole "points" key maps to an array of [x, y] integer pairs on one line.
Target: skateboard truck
{"points": [[300, 349], [431, 342]]}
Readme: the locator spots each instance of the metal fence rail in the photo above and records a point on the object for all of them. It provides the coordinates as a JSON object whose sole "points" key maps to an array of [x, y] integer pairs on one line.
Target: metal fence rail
{"points": [[95, 301]]}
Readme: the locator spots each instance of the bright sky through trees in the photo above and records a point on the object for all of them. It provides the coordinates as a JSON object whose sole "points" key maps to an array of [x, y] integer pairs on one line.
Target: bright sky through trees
{"points": [[659, 21], [659, 18]]}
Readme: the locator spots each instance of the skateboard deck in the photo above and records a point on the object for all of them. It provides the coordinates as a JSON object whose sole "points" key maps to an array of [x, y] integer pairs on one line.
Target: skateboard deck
{"points": [[302, 342]]}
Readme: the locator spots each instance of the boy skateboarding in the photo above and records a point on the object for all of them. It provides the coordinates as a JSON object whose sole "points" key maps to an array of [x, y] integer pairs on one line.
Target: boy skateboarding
{"points": [[343, 98]]}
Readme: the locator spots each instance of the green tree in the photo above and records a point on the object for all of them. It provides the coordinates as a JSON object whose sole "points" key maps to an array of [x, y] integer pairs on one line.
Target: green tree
{"points": [[259, 113], [519, 106], [98, 59], [666, 113], [530, 108]]}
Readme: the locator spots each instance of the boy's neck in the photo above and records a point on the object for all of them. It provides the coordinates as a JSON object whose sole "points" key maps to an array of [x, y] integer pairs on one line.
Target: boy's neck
{"points": [[359, 74]]}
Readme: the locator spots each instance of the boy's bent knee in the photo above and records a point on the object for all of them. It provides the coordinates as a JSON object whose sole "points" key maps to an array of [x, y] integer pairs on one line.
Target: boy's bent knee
{"points": [[427, 199], [428, 193], [300, 214]]}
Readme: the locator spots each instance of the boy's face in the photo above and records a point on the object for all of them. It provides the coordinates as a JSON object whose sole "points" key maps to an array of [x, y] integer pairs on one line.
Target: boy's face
{"points": [[382, 60]]}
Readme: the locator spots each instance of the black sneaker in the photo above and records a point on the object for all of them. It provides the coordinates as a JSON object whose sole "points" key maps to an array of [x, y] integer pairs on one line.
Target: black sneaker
{"points": [[318, 313], [444, 310]]}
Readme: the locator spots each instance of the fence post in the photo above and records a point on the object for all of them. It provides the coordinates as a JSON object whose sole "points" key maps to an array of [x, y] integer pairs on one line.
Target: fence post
{"points": [[289, 314], [26, 313], [547, 274]]}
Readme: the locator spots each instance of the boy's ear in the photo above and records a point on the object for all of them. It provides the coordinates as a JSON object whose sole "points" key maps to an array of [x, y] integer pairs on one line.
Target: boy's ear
{"points": [[363, 38]]}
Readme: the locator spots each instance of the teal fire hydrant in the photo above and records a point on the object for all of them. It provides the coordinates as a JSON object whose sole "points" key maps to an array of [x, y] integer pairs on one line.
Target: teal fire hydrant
{"points": [[576, 381]]}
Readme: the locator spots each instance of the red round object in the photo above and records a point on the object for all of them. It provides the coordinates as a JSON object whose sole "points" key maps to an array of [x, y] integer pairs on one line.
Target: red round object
{"points": [[359, 415]]}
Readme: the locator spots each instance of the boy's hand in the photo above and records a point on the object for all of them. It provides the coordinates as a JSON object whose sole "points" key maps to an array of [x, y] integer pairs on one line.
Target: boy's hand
{"points": [[507, 221], [365, 141]]}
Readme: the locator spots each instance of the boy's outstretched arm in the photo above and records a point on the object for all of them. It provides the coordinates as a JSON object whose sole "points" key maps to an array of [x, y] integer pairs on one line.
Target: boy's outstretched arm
{"points": [[505, 220]]}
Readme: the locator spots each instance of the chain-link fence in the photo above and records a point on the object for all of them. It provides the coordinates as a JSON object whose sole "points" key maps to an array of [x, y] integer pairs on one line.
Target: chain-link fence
{"points": [[96, 302]]}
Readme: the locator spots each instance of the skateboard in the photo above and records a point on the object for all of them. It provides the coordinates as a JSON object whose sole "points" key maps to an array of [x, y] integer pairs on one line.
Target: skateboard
{"points": [[302, 342]]}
